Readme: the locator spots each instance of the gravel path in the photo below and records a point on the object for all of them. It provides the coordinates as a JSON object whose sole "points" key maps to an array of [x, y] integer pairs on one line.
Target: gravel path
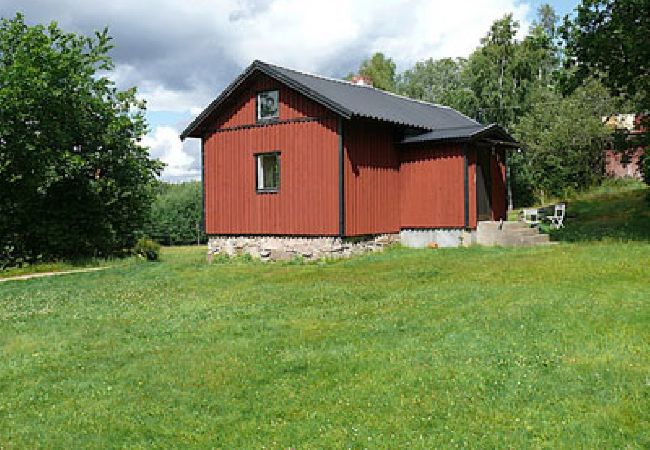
{"points": [[50, 274]]}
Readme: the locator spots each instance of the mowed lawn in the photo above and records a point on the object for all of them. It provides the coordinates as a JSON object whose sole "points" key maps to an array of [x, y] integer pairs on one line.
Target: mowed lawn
{"points": [[479, 347], [543, 347]]}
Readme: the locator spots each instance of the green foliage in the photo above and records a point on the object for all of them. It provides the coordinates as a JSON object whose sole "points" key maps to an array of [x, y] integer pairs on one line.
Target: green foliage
{"points": [[645, 166], [504, 73], [608, 39], [147, 248], [74, 180], [176, 214], [381, 70], [440, 81], [491, 73], [543, 347], [563, 141]]}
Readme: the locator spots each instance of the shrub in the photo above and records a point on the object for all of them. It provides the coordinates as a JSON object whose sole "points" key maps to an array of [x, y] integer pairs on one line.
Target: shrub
{"points": [[147, 248], [176, 214]]}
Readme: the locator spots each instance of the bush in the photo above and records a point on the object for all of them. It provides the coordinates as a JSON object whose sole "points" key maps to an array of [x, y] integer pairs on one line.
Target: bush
{"points": [[147, 248], [176, 214]]}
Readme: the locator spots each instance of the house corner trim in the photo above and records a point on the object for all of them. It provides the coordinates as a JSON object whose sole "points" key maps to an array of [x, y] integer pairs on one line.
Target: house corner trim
{"points": [[203, 184], [341, 177]]}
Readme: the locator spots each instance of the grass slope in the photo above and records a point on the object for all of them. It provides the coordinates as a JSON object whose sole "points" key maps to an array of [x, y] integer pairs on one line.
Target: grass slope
{"points": [[468, 347], [617, 210]]}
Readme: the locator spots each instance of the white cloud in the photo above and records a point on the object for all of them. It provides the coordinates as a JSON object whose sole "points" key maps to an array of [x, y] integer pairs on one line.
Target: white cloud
{"points": [[185, 53], [165, 145], [192, 50], [312, 35]]}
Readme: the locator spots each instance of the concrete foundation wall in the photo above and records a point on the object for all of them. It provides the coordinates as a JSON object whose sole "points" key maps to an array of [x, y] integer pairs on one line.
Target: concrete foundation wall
{"points": [[450, 237]]}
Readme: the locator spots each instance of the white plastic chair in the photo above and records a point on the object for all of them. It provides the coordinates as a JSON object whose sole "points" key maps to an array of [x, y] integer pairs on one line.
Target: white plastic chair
{"points": [[530, 216], [557, 219]]}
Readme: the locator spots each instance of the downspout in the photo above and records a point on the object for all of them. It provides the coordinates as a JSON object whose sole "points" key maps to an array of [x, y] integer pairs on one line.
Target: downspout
{"points": [[341, 178], [466, 184], [510, 205], [202, 184]]}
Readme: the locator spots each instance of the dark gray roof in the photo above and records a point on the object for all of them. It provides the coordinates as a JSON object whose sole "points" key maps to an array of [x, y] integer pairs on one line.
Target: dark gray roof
{"points": [[351, 100], [366, 101]]}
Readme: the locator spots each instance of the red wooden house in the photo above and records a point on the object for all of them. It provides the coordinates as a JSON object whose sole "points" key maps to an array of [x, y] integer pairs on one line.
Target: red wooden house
{"points": [[291, 158]]}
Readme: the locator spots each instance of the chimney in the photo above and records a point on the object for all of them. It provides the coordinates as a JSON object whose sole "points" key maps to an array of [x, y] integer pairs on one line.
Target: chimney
{"points": [[361, 80]]}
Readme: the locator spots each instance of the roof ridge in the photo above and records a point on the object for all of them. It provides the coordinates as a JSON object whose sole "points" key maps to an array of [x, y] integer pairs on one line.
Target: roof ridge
{"points": [[323, 77], [364, 86]]}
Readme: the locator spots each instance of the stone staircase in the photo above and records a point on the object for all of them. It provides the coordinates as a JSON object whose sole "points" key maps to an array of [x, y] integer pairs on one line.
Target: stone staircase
{"points": [[512, 234]]}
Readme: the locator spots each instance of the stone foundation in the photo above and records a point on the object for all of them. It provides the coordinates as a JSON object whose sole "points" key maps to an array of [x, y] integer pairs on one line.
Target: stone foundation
{"points": [[272, 248]]}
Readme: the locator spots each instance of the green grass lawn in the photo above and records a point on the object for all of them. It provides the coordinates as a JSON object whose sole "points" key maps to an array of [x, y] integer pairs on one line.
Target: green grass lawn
{"points": [[618, 210], [543, 347]]}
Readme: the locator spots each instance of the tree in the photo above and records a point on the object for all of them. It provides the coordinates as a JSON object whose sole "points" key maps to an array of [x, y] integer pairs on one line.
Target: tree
{"points": [[381, 70], [504, 72], [608, 39], [439, 81], [176, 214], [563, 141], [74, 180], [489, 72]]}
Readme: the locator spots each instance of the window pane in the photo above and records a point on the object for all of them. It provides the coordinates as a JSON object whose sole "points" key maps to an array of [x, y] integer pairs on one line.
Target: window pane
{"points": [[268, 171], [267, 105]]}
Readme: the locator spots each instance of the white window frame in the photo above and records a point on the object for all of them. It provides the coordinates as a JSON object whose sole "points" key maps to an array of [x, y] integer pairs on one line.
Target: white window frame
{"points": [[259, 172], [258, 106]]}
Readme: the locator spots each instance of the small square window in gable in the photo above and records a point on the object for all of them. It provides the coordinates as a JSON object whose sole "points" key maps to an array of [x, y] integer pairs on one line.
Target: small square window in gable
{"points": [[268, 105]]}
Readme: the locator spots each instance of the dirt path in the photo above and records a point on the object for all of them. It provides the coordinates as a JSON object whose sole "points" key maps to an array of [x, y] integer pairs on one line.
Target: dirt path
{"points": [[50, 274]]}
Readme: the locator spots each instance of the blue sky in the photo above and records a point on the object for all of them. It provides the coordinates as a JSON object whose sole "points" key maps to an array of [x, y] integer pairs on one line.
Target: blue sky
{"points": [[562, 7], [180, 55]]}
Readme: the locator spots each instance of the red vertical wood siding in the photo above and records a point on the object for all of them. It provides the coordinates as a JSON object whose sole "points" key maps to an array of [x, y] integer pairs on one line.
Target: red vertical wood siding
{"points": [[243, 109], [371, 178], [307, 202], [386, 187], [432, 186], [499, 190]]}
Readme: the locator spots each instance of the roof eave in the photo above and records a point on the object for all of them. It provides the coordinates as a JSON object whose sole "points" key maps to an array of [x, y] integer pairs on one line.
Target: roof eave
{"points": [[471, 137], [493, 128]]}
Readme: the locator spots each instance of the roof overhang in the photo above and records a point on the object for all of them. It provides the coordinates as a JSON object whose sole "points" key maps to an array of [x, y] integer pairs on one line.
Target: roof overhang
{"points": [[492, 133]]}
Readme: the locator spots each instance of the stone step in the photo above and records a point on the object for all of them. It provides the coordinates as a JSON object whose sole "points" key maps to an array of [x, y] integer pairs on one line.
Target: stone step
{"points": [[497, 235], [506, 226], [509, 234]]}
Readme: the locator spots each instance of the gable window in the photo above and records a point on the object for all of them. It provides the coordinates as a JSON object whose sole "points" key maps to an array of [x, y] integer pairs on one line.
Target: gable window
{"points": [[268, 106], [268, 171]]}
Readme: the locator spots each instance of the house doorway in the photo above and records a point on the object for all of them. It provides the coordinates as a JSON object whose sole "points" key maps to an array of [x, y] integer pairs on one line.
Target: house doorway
{"points": [[483, 185]]}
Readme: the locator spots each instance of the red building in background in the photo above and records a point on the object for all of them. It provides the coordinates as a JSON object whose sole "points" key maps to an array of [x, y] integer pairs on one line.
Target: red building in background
{"points": [[291, 158], [625, 164]]}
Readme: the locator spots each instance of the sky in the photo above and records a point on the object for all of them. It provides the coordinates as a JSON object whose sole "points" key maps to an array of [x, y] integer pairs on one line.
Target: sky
{"points": [[182, 54]]}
